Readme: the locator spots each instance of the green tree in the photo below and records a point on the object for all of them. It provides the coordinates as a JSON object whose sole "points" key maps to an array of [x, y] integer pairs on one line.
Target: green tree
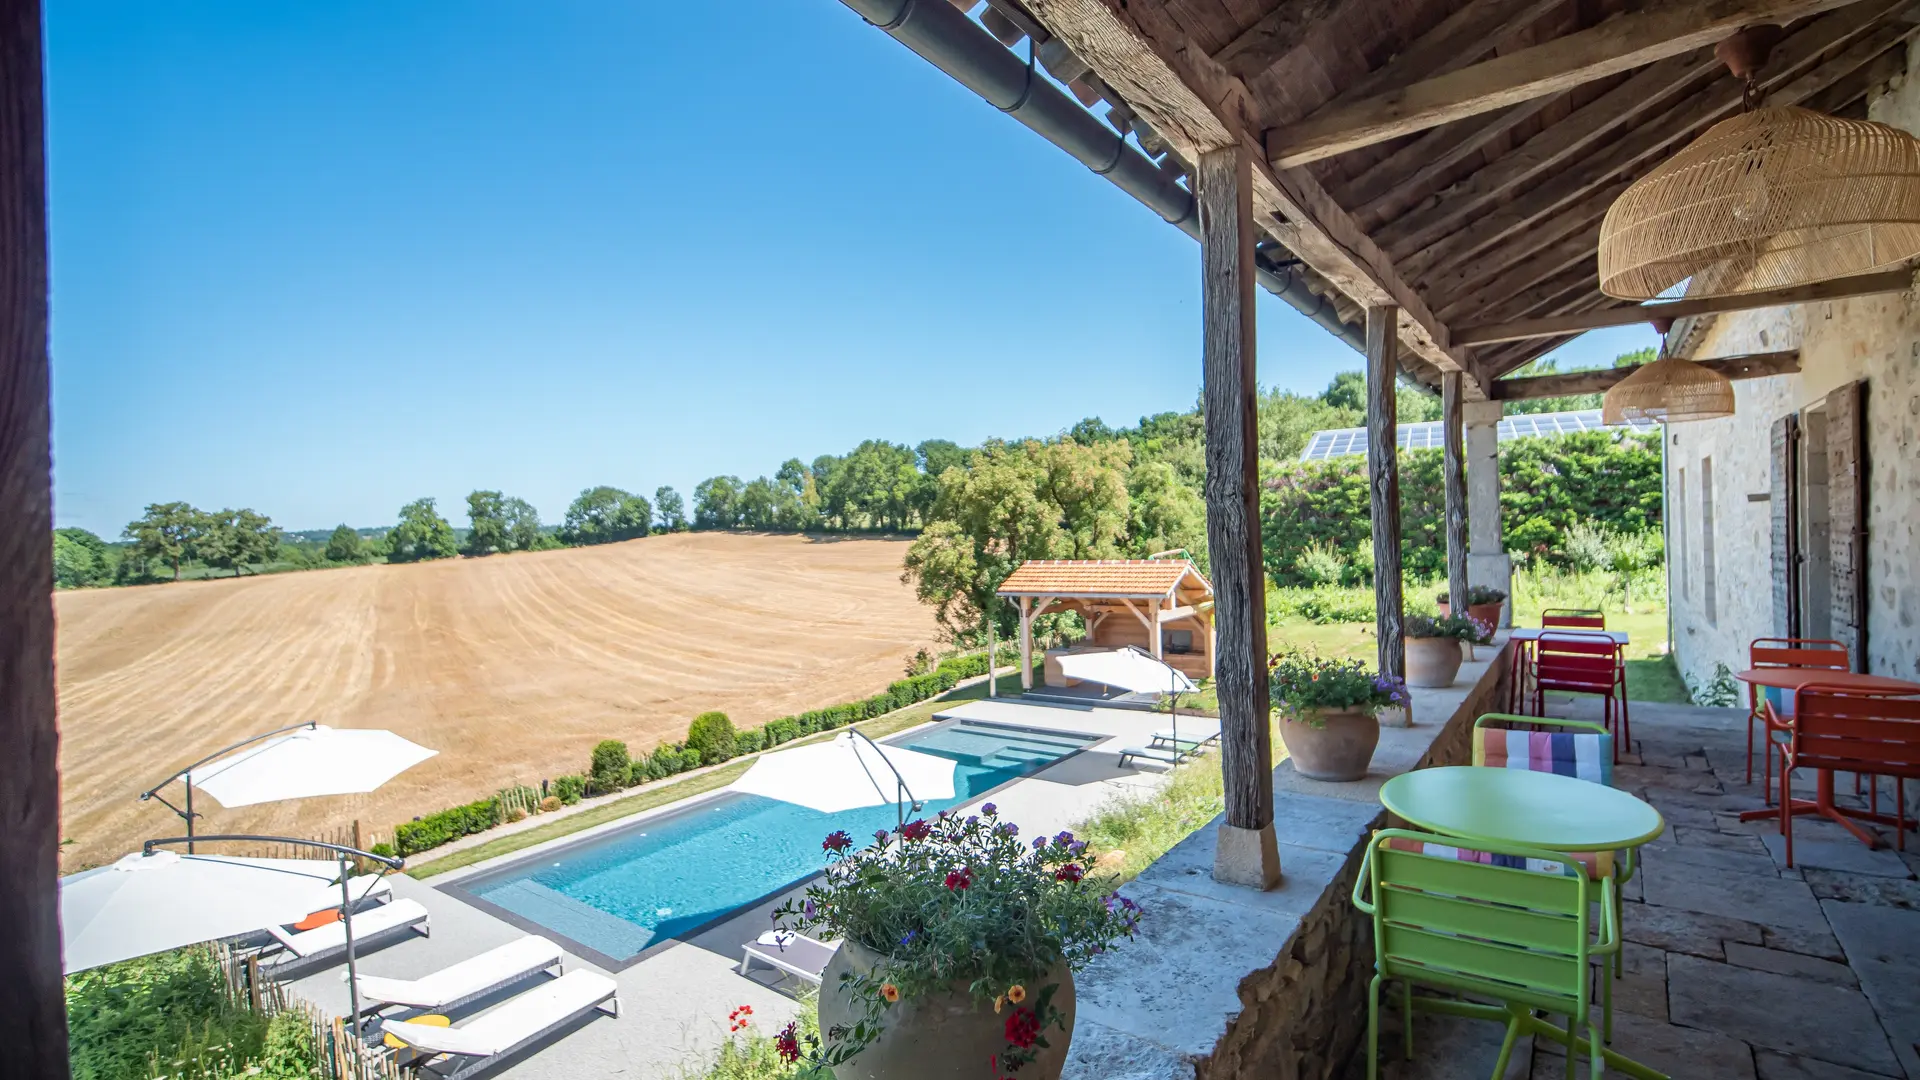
{"points": [[1348, 390], [80, 559], [1087, 486], [1287, 421], [421, 534], [235, 539], [1547, 365], [166, 533], [345, 546], [712, 734], [671, 508], [1091, 430], [522, 523], [487, 519], [1164, 514], [606, 515], [716, 503], [758, 504], [988, 519]]}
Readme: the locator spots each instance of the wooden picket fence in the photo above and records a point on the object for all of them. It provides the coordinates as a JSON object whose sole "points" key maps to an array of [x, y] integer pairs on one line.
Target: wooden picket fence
{"points": [[341, 1056], [352, 835]]}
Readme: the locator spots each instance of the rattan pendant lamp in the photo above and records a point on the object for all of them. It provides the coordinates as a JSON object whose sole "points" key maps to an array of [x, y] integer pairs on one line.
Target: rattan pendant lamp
{"points": [[1669, 390], [1775, 197]]}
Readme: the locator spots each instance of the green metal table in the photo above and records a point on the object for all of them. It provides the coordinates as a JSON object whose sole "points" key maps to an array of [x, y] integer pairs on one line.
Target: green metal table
{"points": [[1543, 810]]}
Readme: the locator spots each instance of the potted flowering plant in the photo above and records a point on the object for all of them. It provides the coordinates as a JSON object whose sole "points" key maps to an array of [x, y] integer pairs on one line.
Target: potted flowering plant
{"points": [[959, 940], [1433, 647], [1483, 604], [1329, 712]]}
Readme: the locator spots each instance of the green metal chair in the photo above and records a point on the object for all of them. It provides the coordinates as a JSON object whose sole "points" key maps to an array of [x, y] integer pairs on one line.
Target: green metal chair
{"points": [[1581, 749], [1492, 920]]}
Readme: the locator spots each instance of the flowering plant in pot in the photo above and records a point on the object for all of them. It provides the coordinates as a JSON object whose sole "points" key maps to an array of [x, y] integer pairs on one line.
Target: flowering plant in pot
{"points": [[959, 939], [1328, 712], [1483, 603], [1433, 647]]}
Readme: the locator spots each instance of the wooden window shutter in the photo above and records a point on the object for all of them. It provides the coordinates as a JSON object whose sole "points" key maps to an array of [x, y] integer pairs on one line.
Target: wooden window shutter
{"points": [[1847, 507], [1783, 506]]}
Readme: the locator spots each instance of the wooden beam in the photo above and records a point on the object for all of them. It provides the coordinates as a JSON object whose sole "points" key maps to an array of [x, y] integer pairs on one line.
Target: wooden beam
{"points": [[1454, 464], [1383, 473], [1224, 189], [33, 1013], [1197, 106], [1465, 296], [1276, 34], [1404, 178], [1747, 366], [1889, 281], [1461, 38], [1625, 42]]}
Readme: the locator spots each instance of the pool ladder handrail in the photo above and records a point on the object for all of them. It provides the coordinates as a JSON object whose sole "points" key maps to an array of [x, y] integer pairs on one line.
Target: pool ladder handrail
{"points": [[900, 781]]}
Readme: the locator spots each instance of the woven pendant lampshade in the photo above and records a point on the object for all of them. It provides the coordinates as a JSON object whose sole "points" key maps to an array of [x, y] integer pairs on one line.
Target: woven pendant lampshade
{"points": [[1774, 197], [1669, 390]]}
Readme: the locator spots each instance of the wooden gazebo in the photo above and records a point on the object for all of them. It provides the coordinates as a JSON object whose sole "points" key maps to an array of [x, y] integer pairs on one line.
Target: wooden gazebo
{"points": [[1164, 606]]}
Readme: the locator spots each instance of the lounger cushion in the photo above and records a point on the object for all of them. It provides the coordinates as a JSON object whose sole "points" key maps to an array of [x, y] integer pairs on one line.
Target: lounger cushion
{"points": [[1584, 755], [518, 1020], [365, 925], [466, 978], [1596, 864], [794, 951]]}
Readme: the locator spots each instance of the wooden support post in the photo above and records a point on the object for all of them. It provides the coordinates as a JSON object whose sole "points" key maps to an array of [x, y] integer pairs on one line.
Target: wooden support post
{"points": [[1153, 632], [1452, 414], [1383, 471], [1246, 853], [1026, 643], [33, 1014], [991, 691]]}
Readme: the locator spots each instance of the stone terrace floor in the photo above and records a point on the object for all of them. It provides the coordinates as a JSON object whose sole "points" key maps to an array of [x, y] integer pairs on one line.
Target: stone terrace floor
{"points": [[1737, 968]]}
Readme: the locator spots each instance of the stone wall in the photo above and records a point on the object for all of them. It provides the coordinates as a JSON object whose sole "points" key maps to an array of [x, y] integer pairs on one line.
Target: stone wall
{"points": [[1871, 338]]}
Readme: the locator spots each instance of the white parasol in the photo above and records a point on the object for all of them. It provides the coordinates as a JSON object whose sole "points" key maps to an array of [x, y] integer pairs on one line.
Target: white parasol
{"points": [[849, 772], [149, 903], [309, 762]]}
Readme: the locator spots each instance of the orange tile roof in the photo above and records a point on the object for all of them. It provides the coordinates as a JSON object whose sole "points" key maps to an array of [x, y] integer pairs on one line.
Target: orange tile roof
{"points": [[1098, 577]]}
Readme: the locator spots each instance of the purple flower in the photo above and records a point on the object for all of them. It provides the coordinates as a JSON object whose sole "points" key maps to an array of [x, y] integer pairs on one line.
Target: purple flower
{"points": [[1077, 846], [1010, 829], [989, 809], [973, 819], [880, 836], [1063, 838], [1039, 842], [808, 909]]}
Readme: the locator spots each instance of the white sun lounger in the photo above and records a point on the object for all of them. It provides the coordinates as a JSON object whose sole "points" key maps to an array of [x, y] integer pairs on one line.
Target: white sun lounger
{"points": [[801, 957], [1153, 753], [1192, 737], [309, 950], [464, 982], [366, 891], [481, 1041]]}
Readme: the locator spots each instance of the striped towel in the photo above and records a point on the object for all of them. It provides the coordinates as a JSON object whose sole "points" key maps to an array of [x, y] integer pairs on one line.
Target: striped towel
{"points": [[1583, 755], [1596, 864]]}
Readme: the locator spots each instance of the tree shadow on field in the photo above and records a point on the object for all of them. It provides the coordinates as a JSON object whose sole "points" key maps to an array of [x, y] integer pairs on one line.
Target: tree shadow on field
{"points": [[838, 538]]}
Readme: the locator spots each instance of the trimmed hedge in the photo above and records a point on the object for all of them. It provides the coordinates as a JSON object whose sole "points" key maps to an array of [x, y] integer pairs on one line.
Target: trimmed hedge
{"points": [[447, 825]]}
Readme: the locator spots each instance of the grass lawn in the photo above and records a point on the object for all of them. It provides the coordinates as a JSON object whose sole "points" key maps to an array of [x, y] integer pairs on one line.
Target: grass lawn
{"points": [[673, 790]]}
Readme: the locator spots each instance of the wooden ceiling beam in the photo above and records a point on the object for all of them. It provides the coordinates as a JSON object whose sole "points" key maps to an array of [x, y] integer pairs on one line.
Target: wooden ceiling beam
{"points": [[1462, 38], [1550, 149], [1889, 281], [1545, 264], [1450, 231], [1749, 366], [1198, 105], [1627, 41], [1407, 174], [1276, 34], [1456, 274]]}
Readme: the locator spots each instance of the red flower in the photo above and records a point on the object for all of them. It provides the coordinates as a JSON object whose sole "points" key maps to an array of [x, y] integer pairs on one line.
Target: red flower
{"points": [[787, 1043], [1069, 872], [1023, 1027], [959, 879], [916, 829], [837, 840], [739, 1018]]}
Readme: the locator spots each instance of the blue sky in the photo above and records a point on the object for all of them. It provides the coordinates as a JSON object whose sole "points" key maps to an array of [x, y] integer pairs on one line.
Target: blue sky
{"points": [[321, 260]]}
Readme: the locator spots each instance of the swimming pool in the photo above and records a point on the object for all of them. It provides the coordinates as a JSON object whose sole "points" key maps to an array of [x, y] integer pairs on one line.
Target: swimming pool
{"points": [[619, 894]]}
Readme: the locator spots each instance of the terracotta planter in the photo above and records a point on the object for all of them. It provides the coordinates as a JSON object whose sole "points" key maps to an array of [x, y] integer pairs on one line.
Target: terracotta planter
{"points": [[1339, 750], [1485, 613], [942, 1037], [1432, 662]]}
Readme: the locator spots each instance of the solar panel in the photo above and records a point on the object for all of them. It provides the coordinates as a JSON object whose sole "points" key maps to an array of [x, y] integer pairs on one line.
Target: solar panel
{"points": [[1342, 442]]}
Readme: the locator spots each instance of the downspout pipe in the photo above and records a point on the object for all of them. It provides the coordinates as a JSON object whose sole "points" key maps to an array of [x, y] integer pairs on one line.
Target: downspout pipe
{"points": [[946, 38]]}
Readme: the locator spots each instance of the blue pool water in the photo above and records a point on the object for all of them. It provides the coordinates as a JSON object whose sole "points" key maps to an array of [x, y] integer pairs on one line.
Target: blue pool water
{"points": [[670, 875]]}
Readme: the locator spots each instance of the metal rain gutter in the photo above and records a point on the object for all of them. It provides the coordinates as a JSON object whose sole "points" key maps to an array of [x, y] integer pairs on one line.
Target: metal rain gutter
{"points": [[946, 38]]}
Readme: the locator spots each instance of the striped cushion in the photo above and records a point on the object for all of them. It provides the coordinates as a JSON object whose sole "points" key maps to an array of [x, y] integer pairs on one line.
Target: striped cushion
{"points": [[1583, 755], [1597, 864]]}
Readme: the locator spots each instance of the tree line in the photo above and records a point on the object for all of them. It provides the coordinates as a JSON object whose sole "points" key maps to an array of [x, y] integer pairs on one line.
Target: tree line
{"points": [[175, 538]]}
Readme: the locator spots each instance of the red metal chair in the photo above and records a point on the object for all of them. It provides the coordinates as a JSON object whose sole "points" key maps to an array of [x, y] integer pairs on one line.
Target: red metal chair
{"points": [[1824, 653], [1569, 661], [1832, 730], [1574, 618]]}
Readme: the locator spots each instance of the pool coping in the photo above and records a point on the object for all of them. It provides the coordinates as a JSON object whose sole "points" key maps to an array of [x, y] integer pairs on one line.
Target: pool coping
{"points": [[457, 885]]}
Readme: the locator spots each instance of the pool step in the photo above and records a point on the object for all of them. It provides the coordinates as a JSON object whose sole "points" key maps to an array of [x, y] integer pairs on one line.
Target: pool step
{"points": [[547, 907]]}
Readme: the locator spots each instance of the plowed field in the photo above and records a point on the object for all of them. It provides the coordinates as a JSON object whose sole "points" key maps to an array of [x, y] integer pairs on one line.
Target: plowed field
{"points": [[511, 666]]}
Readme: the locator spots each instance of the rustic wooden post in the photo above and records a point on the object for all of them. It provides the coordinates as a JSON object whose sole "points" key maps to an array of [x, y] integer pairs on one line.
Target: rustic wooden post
{"points": [[1453, 411], [1026, 643], [1246, 853], [1383, 471], [33, 1015], [991, 692]]}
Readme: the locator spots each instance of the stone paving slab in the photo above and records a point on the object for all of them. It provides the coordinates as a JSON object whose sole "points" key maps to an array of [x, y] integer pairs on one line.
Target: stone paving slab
{"points": [[1779, 1012], [1849, 854]]}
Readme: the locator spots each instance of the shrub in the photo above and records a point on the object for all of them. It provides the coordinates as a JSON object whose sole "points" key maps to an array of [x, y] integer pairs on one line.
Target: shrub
{"points": [[750, 741], [1319, 564], [1302, 685], [172, 1007], [382, 848], [1585, 547], [610, 765], [785, 729], [426, 833], [570, 787], [711, 733], [1323, 605], [549, 804]]}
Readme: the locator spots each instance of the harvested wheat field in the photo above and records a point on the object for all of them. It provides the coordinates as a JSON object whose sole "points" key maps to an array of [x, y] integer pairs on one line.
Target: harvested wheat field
{"points": [[511, 666]]}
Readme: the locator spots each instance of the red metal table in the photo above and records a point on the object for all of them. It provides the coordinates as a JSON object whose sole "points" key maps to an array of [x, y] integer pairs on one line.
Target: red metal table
{"points": [[1791, 679]]}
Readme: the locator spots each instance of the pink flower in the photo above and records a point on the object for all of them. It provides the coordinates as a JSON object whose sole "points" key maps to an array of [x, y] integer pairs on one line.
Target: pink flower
{"points": [[787, 1043], [959, 879], [916, 829], [1070, 872], [838, 840]]}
